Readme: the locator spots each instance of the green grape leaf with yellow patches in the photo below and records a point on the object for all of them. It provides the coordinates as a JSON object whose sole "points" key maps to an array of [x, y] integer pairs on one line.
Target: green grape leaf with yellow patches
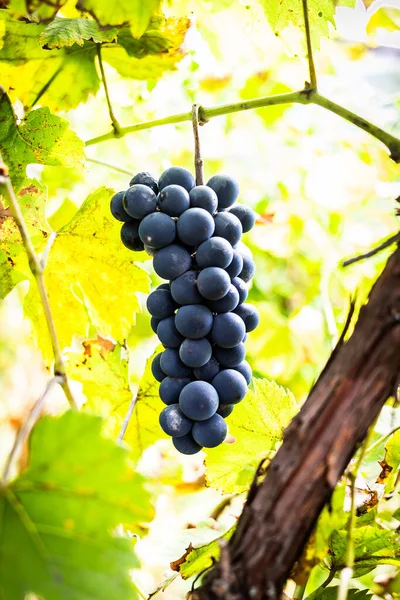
{"points": [[118, 12], [391, 462], [282, 13], [197, 560], [257, 423], [91, 278], [373, 546], [62, 33], [41, 138], [144, 429], [59, 515], [14, 266], [35, 10], [331, 593]]}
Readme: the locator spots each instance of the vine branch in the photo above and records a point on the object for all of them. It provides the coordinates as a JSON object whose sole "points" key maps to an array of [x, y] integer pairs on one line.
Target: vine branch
{"points": [[114, 120], [37, 269], [311, 66], [391, 240], [306, 96]]}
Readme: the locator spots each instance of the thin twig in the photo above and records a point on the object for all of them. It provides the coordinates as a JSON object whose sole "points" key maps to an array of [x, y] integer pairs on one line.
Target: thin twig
{"points": [[114, 121], [347, 573], [198, 161], [128, 416], [382, 439], [393, 239], [44, 89], [25, 430], [113, 167], [47, 249], [311, 66], [37, 270], [306, 96]]}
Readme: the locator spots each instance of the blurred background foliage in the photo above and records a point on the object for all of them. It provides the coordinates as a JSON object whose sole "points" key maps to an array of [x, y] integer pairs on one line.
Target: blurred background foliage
{"points": [[325, 191]]}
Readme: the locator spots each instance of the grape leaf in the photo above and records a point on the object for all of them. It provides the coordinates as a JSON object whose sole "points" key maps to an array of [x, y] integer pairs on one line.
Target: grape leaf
{"points": [[257, 423], [373, 546], [66, 32], [118, 12], [41, 138], [91, 277], [57, 519], [282, 13], [331, 593], [391, 461], [196, 560], [14, 265], [35, 10]]}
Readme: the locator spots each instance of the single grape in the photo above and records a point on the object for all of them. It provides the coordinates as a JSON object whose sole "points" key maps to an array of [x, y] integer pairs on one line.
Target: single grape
{"points": [[186, 444], [202, 196], [213, 283], [224, 409], [227, 303], [156, 369], [164, 286], [198, 400], [172, 365], [154, 323], [171, 387], [195, 353], [210, 433], [195, 226], [226, 188], [184, 289], [249, 314], [245, 369], [174, 422], [228, 226], [139, 201], [117, 209], [172, 261], [157, 230], [228, 330], [194, 321], [208, 371], [145, 178], [229, 358], [248, 269], [236, 265], [160, 304], [230, 385], [246, 216], [176, 176], [215, 252], [242, 289], [130, 237], [173, 200], [168, 334]]}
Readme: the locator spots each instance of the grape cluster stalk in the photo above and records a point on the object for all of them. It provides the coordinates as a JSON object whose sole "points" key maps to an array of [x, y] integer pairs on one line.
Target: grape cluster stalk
{"points": [[200, 316]]}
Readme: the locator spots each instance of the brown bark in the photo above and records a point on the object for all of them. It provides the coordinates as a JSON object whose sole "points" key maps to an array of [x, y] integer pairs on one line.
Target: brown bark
{"points": [[280, 513]]}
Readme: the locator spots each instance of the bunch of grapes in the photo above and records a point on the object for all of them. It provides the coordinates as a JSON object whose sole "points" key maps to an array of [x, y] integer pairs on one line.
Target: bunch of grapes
{"points": [[200, 315]]}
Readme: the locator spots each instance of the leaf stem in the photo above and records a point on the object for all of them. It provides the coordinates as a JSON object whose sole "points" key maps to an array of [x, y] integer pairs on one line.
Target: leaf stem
{"points": [[25, 430], [388, 242], [114, 121], [306, 96], [311, 66], [109, 166], [37, 270], [382, 439], [44, 89], [198, 161], [128, 415]]}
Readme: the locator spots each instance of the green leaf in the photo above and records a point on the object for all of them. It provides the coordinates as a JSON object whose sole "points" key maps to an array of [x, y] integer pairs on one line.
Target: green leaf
{"points": [[118, 12], [91, 278], [35, 10], [257, 423], [58, 516], [41, 138], [391, 462], [282, 13], [197, 560], [373, 546], [331, 593], [66, 32]]}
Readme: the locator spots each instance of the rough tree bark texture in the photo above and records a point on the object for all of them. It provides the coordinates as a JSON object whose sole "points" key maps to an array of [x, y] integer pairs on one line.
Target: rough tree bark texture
{"points": [[281, 512]]}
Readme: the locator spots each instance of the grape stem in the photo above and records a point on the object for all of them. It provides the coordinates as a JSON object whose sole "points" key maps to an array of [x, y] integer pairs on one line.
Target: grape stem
{"points": [[114, 120], [37, 268], [305, 96], [313, 76], [198, 161]]}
